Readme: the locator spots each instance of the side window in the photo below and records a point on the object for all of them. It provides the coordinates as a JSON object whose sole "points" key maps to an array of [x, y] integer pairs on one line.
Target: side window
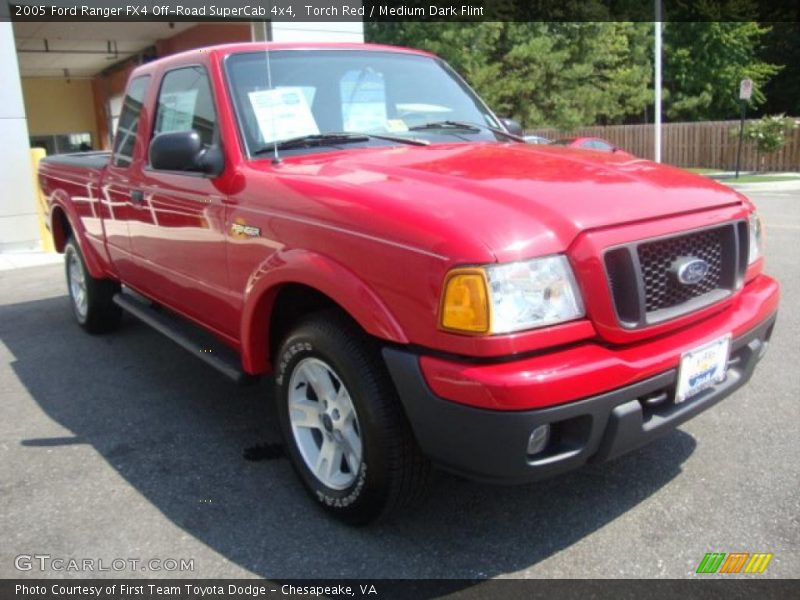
{"points": [[185, 103], [125, 140]]}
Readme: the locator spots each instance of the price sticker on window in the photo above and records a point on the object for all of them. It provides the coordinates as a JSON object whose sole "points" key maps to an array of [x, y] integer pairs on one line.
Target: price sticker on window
{"points": [[282, 113]]}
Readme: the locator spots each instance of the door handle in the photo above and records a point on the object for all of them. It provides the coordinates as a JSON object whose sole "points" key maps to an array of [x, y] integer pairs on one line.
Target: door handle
{"points": [[137, 196]]}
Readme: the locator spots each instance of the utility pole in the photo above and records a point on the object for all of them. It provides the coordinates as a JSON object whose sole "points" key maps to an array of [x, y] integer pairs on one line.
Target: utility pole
{"points": [[745, 91], [657, 111]]}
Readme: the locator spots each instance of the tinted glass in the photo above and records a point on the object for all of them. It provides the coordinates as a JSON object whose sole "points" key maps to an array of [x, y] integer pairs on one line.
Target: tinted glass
{"points": [[310, 92], [125, 140], [185, 103], [63, 143]]}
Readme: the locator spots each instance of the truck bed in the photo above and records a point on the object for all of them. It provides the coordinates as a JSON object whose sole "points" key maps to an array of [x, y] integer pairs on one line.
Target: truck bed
{"points": [[86, 160]]}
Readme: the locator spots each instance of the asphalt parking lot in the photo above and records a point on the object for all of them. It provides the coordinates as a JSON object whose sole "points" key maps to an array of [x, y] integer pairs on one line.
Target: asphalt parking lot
{"points": [[126, 446]]}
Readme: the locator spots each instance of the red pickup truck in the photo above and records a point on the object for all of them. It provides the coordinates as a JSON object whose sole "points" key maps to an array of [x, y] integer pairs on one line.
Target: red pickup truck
{"points": [[425, 289]]}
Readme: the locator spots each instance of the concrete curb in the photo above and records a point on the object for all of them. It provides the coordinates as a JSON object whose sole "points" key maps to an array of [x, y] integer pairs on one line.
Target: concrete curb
{"points": [[22, 260]]}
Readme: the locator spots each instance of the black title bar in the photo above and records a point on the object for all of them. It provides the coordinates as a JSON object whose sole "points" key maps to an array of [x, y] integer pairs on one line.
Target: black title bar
{"points": [[389, 589], [397, 10]]}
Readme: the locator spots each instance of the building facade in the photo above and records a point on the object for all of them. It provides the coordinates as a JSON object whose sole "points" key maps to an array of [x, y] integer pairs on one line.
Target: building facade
{"points": [[63, 85]]}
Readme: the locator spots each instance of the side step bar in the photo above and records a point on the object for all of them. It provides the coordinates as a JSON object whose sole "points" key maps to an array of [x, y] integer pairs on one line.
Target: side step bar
{"points": [[202, 344]]}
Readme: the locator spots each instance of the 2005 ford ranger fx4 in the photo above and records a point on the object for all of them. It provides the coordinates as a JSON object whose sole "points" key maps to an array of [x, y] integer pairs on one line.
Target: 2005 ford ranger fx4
{"points": [[424, 288]]}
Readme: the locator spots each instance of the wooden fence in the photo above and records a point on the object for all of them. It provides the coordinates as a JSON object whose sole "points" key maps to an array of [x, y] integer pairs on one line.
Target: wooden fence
{"points": [[708, 144]]}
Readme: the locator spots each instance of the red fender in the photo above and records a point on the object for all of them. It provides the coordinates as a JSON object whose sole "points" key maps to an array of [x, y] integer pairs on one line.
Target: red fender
{"points": [[59, 201], [324, 275]]}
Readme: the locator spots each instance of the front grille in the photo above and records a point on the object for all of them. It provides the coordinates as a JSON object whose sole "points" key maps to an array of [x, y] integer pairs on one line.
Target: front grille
{"points": [[643, 280], [661, 288]]}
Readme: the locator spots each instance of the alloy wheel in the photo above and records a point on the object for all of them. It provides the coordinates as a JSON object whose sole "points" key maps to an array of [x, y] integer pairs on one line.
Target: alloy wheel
{"points": [[325, 424]]}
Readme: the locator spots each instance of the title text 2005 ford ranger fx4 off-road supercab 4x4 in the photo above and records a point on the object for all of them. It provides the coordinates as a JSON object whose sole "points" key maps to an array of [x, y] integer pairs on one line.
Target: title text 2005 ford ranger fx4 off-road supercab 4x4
{"points": [[424, 288]]}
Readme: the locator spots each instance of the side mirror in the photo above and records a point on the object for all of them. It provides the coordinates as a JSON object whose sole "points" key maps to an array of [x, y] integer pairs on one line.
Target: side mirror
{"points": [[512, 126], [183, 151]]}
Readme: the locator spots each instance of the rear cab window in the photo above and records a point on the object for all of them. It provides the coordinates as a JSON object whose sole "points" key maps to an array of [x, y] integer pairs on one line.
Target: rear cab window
{"points": [[125, 139], [362, 94]]}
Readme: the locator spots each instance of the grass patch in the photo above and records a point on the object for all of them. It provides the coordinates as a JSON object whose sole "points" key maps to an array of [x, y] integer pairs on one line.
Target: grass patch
{"points": [[702, 170], [727, 177], [758, 178]]}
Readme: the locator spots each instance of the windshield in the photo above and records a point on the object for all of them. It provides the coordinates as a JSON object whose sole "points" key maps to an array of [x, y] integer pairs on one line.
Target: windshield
{"points": [[318, 92]]}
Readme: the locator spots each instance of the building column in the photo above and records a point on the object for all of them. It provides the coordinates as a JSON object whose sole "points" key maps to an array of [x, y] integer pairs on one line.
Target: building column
{"points": [[19, 229], [260, 31]]}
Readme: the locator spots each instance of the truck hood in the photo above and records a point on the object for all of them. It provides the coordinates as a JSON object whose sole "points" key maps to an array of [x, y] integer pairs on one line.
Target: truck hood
{"points": [[518, 200]]}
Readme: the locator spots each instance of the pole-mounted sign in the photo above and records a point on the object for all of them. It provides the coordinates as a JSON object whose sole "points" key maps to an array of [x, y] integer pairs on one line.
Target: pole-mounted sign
{"points": [[745, 89], [745, 92]]}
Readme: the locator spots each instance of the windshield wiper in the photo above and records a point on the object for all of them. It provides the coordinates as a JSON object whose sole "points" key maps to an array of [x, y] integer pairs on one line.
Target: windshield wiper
{"points": [[396, 138], [311, 140], [333, 139], [466, 126]]}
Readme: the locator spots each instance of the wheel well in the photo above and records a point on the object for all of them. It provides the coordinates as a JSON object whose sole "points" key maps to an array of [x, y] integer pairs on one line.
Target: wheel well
{"points": [[60, 229], [293, 302]]}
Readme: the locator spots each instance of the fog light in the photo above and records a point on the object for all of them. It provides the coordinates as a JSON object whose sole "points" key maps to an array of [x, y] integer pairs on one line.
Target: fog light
{"points": [[538, 440]]}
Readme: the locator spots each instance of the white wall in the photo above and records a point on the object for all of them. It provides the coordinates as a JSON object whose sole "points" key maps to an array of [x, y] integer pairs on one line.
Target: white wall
{"points": [[339, 31], [19, 229]]}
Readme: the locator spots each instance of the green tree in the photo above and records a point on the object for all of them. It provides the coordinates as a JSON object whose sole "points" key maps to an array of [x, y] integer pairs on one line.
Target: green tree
{"points": [[571, 74], [781, 47], [556, 74], [704, 63]]}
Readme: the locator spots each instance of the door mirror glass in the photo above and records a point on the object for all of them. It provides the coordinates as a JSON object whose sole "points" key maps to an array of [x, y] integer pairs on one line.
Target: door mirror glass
{"points": [[177, 151]]}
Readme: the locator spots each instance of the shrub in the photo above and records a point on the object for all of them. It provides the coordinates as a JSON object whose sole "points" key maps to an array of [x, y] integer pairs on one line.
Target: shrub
{"points": [[768, 133]]}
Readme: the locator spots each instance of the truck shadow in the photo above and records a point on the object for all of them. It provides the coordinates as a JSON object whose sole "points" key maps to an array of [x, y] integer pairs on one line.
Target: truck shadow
{"points": [[175, 430]]}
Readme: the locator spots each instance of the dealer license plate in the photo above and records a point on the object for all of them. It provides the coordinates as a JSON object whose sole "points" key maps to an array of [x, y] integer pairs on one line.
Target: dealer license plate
{"points": [[702, 367]]}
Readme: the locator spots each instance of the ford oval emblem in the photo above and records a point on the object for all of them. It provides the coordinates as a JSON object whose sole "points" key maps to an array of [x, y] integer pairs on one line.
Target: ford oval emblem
{"points": [[690, 270]]}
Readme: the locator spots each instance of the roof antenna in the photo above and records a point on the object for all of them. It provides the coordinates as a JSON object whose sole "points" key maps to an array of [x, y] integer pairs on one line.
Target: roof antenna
{"points": [[276, 159]]}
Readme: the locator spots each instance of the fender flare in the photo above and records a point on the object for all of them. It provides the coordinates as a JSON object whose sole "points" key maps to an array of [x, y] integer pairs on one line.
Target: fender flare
{"points": [[60, 201], [321, 273]]}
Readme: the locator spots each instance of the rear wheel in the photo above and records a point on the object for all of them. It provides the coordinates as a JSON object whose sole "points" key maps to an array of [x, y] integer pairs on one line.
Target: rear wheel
{"points": [[345, 431], [91, 298]]}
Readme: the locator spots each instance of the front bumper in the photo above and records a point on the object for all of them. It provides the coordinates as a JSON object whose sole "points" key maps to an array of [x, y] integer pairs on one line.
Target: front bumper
{"points": [[491, 445]]}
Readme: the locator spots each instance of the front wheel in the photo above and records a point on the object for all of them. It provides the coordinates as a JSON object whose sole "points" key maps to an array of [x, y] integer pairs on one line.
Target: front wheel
{"points": [[345, 431], [91, 298]]}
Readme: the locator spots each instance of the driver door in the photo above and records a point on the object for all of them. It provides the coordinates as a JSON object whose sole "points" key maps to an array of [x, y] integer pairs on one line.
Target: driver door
{"points": [[177, 236]]}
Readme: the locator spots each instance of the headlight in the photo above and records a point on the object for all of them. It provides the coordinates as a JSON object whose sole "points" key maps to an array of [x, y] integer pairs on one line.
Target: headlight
{"points": [[511, 297], [756, 238]]}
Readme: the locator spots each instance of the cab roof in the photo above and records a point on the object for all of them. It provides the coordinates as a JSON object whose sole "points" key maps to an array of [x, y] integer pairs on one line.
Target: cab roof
{"points": [[222, 50]]}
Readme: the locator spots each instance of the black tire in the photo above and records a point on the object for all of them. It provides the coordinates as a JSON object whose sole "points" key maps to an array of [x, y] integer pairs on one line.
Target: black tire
{"points": [[96, 312], [392, 472]]}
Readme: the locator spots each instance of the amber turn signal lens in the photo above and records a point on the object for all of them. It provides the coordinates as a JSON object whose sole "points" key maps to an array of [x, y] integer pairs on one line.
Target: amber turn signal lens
{"points": [[465, 304]]}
